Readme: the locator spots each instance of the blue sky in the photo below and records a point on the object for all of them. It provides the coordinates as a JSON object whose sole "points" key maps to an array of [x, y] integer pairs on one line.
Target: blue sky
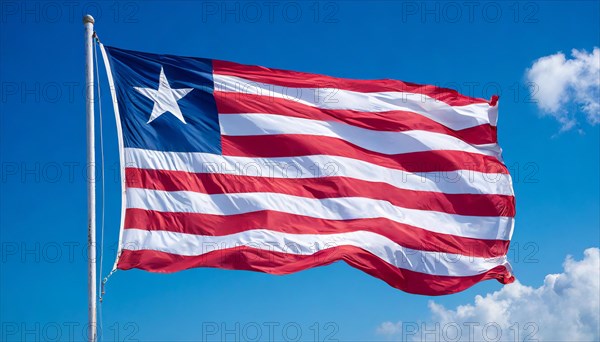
{"points": [[479, 48]]}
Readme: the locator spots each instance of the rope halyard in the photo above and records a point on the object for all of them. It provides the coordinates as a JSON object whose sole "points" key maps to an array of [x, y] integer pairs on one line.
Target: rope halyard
{"points": [[102, 284], [103, 197]]}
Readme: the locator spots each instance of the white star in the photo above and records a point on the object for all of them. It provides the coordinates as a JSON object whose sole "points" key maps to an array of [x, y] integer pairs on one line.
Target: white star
{"points": [[165, 99]]}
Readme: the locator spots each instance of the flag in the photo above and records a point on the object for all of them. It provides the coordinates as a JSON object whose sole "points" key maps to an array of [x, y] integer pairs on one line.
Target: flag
{"points": [[251, 168]]}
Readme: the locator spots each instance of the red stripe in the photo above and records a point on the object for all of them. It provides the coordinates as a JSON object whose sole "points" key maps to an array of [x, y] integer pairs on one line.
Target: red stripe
{"points": [[395, 121], [322, 187], [403, 234], [294, 145], [252, 259], [307, 80]]}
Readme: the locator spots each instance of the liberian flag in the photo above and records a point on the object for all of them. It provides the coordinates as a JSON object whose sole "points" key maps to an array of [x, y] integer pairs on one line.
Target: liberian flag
{"points": [[250, 168]]}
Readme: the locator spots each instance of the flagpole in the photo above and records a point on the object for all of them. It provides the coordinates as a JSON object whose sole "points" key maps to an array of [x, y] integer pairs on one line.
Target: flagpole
{"points": [[88, 23]]}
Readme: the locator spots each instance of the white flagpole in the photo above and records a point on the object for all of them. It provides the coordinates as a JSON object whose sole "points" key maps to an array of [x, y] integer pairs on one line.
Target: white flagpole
{"points": [[88, 23]]}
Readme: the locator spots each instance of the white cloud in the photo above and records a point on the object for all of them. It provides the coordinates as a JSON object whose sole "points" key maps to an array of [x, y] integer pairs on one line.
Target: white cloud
{"points": [[562, 87], [389, 328], [565, 308]]}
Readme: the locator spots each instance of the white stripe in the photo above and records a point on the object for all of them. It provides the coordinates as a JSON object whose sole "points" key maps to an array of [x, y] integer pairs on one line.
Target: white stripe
{"points": [[450, 182], [435, 263], [340, 208], [453, 117], [376, 141]]}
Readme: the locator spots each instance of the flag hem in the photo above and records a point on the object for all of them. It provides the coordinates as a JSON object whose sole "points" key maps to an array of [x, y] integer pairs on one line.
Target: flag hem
{"points": [[113, 94]]}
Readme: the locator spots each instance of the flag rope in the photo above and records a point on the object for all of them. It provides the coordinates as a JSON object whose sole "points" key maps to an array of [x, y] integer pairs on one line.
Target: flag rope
{"points": [[114, 269], [104, 280], [102, 200], [111, 86]]}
